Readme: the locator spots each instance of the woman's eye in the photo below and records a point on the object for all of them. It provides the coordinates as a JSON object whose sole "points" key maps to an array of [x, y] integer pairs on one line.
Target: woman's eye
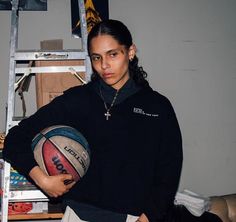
{"points": [[113, 54], [95, 58]]}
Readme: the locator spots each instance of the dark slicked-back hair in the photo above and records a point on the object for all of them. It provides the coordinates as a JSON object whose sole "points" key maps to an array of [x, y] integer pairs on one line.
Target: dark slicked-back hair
{"points": [[122, 35]]}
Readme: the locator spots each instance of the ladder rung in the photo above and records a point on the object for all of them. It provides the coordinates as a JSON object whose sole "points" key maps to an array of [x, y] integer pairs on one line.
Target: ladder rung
{"points": [[50, 69], [17, 118], [49, 55]]}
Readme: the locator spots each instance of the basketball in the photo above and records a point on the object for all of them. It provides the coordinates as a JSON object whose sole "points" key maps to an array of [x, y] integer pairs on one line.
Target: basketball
{"points": [[62, 149]]}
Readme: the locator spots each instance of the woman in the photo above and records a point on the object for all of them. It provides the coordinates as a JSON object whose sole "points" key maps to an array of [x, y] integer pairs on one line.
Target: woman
{"points": [[132, 131]]}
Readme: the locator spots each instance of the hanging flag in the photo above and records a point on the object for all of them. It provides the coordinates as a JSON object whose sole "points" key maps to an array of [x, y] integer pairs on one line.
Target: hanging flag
{"points": [[96, 11]]}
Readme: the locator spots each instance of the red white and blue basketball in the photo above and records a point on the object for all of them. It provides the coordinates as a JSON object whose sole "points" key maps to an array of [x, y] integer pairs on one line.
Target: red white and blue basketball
{"points": [[62, 149]]}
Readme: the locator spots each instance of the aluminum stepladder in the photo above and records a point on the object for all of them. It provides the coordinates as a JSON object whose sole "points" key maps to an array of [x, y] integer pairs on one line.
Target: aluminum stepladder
{"points": [[15, 69]]}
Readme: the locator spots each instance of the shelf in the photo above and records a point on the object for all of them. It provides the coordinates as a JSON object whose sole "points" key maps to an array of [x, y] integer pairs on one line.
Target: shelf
{"points": [[36, 216], [26, 195]]}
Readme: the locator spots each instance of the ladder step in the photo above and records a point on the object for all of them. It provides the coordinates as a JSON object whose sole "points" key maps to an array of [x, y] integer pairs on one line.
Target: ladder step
{"points": [[39, 55], [50, 69]]}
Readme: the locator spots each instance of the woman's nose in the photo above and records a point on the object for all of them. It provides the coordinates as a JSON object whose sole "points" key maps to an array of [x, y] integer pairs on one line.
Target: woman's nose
{"points": [[105, 64]]}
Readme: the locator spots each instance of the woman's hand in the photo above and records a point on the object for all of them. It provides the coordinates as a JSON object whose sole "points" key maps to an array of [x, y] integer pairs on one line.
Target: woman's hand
{"points": [[54, 186], [143, 218]]}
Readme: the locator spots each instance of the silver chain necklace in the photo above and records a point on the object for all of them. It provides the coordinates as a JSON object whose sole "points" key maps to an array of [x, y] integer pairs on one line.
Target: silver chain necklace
{"points": [[107, 114]]}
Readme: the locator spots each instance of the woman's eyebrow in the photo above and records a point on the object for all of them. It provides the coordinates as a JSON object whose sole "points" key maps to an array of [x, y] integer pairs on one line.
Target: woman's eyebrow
{"points": [[116, 50], [109, 51]]}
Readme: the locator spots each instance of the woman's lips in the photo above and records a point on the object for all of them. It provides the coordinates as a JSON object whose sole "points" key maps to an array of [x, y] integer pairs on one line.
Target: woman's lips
{"points": [[106, 75]]}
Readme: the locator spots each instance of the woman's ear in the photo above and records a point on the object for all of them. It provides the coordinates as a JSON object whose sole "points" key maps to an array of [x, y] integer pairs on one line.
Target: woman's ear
{"points": [[132, 52]]}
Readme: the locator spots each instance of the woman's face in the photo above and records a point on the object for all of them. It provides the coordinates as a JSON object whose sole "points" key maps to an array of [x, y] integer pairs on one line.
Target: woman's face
{"points": [[111, 60]]}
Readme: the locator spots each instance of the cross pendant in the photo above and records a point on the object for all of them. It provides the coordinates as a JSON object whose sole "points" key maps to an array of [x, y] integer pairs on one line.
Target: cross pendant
{"points": [[107, 114]]}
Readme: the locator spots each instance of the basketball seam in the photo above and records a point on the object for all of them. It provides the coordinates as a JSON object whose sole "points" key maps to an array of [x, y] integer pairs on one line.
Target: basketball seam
{"points": [[70, 131]]}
